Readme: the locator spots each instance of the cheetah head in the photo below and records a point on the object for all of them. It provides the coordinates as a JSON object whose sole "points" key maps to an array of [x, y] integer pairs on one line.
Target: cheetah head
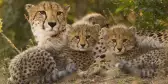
{"points": [[83, 36], [118, 39], [46, 18], [96, 18]]}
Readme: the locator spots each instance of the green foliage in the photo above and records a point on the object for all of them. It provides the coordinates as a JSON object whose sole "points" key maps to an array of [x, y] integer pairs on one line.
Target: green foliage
{"points": [[1, 25], [151, 14], [1, 2]]}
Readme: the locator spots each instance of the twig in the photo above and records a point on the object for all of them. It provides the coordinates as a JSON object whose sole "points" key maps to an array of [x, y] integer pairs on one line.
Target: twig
{"points": [[10, 42]]}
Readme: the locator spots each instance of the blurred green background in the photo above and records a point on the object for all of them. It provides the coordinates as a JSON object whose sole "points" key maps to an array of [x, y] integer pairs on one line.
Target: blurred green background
{"points": [[150, 14]]}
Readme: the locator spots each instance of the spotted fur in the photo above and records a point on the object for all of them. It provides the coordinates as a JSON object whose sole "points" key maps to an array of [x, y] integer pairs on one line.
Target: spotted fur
{"points": [[83, 36], [37, 65], [43, 61], [155, 39], [82, 33], [47, 19], [96, 18], [115, 43], [148, 65], [142, 61]]}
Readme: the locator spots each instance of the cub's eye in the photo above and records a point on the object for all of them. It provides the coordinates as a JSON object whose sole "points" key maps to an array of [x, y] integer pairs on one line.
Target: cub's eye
{"points": [[77, 37], [59, 13], [88, 36], [93, 23], [124, 40], [114, 40], [42, 12]]}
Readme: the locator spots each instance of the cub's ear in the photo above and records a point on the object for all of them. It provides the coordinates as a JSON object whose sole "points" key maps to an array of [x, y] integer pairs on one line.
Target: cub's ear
{"points": [[69, 28], [97, 27], [104, 33], [132, 29], [67, 8], [28, 7]]}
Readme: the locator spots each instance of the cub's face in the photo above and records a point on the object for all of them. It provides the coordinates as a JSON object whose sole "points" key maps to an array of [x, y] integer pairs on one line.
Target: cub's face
{"points": [[119, 39], [47, 18], [83, 36]]}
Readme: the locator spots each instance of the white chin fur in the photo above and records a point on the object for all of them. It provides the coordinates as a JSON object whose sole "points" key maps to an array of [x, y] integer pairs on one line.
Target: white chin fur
{"points": [[119, 53], [79, 49]]}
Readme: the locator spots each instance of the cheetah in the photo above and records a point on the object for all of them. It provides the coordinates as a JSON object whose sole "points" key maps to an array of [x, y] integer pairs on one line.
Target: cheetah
{"points": [[155, 39], [38, 63], [148, 65], [51, 39], [96, 18], [47, 19], [115, 44], [82, 38]]}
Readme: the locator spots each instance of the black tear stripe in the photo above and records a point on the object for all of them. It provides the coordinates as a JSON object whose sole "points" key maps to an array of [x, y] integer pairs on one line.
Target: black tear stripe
{"points": [[44, 22], [44, 6], [87, 43], [35, 15], [78, 43], [115, 46], [59, 23], [51, 5]]}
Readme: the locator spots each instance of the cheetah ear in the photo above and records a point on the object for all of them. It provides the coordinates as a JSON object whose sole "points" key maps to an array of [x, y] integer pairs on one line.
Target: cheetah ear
{"points": [[103, 33], [28, 7], [67, 8], [91, 19], [132, 29], [97, 27], [69, 28]]}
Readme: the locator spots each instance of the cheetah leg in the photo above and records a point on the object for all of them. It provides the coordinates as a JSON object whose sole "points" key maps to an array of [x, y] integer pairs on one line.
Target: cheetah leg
{"points": [[10, 81], [58, 75], [129, 68], [93, 69]]}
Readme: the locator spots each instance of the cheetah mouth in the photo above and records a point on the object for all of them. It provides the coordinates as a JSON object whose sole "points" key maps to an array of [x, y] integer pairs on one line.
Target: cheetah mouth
{"points": [[54, 35], [119, 53]]}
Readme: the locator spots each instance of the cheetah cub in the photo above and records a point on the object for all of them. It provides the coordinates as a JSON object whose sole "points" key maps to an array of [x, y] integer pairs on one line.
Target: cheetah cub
{"points": [[47, 19], [81, 40], [37, 64], [96, 18], [155, 39], [115, 44], [148, 65]]}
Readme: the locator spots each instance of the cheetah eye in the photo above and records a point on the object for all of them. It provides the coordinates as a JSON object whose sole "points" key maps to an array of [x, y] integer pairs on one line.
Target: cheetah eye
{"points": [[59, 13], [93, 23], [88, 36], [114, 40], [42, 12], [77, 37], [124, 40]]}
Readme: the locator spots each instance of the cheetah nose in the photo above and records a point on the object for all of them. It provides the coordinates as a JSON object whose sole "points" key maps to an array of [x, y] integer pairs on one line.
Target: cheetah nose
{"points": [[52, 24], [83, 45], [119, 49]]}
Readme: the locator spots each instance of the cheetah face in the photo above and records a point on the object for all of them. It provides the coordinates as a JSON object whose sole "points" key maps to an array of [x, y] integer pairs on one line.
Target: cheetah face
{"points": [[47, 18], [119, 39], [83, 36]]}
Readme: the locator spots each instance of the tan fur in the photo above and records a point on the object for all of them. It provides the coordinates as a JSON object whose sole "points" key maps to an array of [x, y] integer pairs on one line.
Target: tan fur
{"points": [[47, 19], [96, 18], [155, 39], [83, 36], [107, 50]]}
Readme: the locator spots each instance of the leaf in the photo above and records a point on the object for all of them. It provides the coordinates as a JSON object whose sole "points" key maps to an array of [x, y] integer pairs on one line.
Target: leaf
{"points": [[1, 2], [121, 8], [1, 26]]}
